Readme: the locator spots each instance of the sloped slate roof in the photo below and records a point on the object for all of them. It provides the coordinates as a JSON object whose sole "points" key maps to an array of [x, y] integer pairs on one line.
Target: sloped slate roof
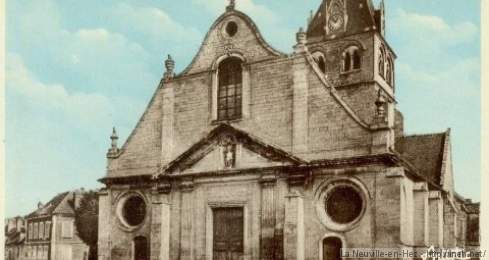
{"points": [[424, 152], [58, 204]]}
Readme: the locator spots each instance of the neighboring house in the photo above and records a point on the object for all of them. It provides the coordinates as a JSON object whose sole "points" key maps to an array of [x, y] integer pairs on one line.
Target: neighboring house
{"points": [[51, 232], [250, 153], [14, 238]]}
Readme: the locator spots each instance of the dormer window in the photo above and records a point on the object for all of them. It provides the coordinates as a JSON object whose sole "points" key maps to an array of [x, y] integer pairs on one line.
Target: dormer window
{"points": [[229, 99], [351, 59]]}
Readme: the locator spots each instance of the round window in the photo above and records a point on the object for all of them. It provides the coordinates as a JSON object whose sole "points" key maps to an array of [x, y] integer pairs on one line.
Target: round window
{"points": [[134, 211], [231, 28], [343, 204]]}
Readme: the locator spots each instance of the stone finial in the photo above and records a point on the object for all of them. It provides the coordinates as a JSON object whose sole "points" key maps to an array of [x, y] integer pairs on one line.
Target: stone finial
{"points": [[114, 138], [113, 146], [39, 205], [301, 36], [231, 5], [170, 67], [301, 39]]}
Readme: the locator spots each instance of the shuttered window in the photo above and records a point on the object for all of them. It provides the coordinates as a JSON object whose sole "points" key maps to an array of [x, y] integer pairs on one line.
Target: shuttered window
{"points": [[67, 229]]}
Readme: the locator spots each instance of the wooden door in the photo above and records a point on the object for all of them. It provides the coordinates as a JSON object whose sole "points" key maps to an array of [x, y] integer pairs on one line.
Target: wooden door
{"points": [[228, 234], [331, 248]]}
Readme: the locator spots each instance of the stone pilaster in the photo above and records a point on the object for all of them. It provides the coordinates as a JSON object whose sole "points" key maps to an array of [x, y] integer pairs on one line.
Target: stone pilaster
{"points": [[160, 222], [267, 236], [246, 93], [294, 227], [186, 219], [103, 243], [421, 215], [435, 203], [167, 130], [300, 95]]}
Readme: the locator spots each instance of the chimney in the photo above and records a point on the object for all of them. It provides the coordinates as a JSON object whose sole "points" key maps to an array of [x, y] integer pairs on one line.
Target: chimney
{"points": [[39, 205]]}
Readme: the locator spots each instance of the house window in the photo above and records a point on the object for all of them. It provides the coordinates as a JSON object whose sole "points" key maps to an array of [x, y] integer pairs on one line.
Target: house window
{"points": [[41, 230], [47, 229], [351, 59], [67, 229], [229, 89], [36, 230], [31, 231]]}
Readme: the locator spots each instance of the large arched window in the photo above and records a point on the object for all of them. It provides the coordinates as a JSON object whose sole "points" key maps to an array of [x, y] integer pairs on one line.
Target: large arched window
{"points": [[229, 89], [332, 248]]}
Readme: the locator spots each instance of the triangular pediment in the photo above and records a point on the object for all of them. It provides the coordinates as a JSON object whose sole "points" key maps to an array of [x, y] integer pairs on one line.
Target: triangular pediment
{"points": [[228, 148]]}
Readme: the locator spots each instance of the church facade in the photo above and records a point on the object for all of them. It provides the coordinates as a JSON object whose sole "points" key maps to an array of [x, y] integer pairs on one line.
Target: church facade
{"points": [[251, 153]]}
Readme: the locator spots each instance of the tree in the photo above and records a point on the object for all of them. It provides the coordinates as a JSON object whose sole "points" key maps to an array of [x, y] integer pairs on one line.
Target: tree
{"points": [[86, 221]]}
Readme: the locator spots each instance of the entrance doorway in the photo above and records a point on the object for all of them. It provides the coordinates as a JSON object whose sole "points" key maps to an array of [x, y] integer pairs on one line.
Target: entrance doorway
{"points": [[228, 233], [141, 248], [331, 248]]}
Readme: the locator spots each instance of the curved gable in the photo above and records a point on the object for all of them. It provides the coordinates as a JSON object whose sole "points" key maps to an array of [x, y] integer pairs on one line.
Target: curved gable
{"points": [[247, 41]]}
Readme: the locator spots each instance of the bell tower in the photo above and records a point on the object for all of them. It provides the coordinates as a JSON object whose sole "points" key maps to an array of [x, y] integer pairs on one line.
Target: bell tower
{"points": [[347, 40]]}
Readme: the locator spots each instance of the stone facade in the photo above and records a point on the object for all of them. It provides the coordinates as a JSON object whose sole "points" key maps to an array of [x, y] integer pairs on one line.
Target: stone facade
{"points": [[311, 158]]}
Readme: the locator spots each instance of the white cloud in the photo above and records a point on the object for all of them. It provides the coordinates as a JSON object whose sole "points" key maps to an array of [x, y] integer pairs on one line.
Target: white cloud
{"points": [[81, 107], [153, 22], [430, 28], [459, 81]]}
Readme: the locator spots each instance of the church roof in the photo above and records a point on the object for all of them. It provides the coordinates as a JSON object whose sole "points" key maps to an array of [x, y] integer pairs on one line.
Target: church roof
{"points": [[425, 153]]}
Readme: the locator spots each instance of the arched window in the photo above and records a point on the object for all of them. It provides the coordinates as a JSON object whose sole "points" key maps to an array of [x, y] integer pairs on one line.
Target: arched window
{"points": [[389, 71], [356, 60], [381, 63], [141, 248], [347, 62], [229, 89], [331, 248], [351, 58]]}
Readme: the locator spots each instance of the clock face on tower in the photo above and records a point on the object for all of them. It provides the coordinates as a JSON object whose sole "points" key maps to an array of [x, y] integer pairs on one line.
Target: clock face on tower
{"points": [[336, 16], [335, 22]]}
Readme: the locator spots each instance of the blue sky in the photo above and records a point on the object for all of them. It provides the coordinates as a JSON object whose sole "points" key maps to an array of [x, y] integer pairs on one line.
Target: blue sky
{"points": [[76, 68]]}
